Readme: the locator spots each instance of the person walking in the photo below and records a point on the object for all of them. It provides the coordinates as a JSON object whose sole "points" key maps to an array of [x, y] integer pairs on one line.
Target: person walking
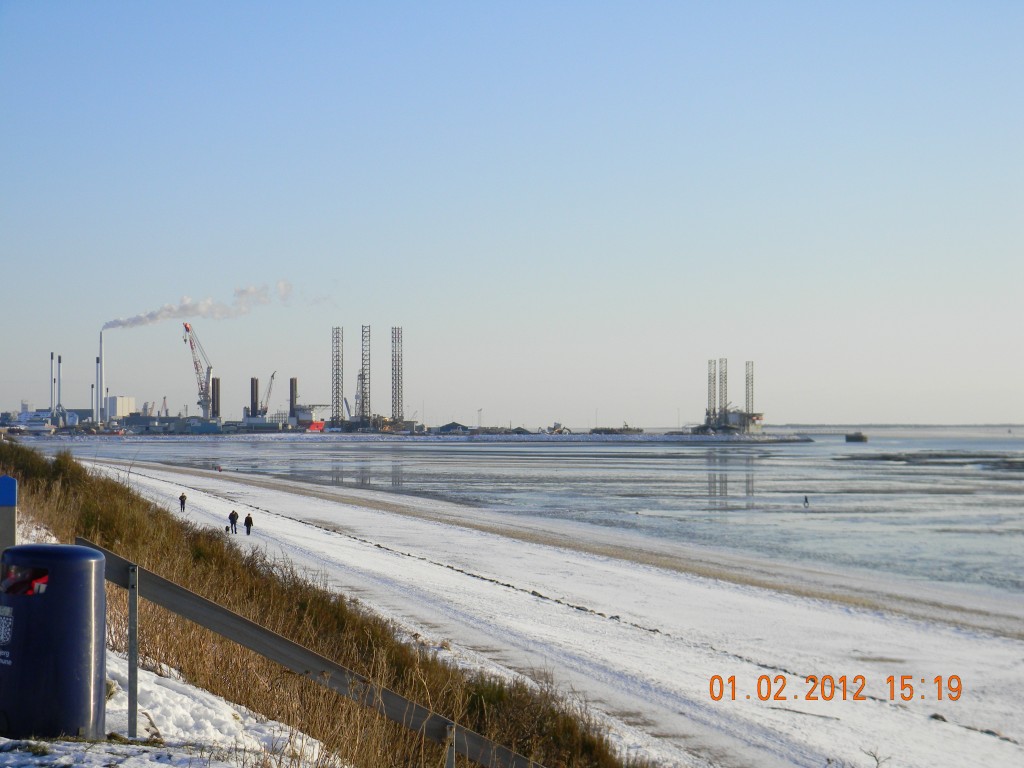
{"points": [[248, 524], [182, 500], [233, 518]]}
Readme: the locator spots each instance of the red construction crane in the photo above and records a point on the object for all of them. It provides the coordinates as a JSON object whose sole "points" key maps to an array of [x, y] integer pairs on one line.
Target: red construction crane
{"points": [[204, 379]]}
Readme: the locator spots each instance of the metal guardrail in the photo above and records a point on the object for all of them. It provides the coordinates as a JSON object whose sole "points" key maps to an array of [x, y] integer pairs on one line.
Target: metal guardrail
{"points": [[142, 583]]}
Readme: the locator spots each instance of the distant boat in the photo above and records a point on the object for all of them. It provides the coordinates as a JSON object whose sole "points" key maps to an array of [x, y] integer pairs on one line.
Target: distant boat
{"points": [[856, 437]]}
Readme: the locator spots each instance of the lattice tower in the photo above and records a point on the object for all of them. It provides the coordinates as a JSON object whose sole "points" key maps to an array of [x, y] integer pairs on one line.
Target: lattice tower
{"points": [[337, 371], [397, 413], [364, 396], [723, 388], [750, 386], [712, 381]]}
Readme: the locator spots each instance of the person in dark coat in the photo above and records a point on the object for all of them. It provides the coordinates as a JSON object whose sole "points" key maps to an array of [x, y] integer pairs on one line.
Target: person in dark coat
{"points": [[248, 524], [182, 500], [233, 519]]}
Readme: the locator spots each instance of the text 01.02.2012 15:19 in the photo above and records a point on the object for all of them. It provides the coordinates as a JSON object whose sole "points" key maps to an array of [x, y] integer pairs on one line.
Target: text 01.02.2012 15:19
{"points": [[840, 688]]}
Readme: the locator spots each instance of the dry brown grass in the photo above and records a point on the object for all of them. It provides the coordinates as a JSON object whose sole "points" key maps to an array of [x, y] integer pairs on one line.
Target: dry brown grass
{"points": [[535, 721]]}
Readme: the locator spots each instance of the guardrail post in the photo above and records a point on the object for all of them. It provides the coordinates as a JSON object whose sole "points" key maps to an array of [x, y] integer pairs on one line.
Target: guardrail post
{"points": [[133, 651], [449, 761]]}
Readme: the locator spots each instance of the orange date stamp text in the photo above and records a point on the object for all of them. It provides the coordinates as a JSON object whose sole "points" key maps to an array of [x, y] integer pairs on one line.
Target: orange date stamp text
{"points": [[833, 688]]}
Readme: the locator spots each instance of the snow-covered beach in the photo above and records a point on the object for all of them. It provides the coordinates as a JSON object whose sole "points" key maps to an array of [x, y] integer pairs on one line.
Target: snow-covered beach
{"points": [[179, 725], [651, 634]]}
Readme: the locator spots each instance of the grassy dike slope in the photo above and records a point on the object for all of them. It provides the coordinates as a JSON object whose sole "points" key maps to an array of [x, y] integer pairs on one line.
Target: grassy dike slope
{"points": [[64, 497]]}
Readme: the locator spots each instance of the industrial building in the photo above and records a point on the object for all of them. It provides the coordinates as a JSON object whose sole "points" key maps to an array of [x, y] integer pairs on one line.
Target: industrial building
{"points": [[116, 413], [304, 416]]}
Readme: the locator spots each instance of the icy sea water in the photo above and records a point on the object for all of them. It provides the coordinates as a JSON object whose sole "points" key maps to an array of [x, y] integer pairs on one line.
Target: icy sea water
{"points": [[940, 504]]}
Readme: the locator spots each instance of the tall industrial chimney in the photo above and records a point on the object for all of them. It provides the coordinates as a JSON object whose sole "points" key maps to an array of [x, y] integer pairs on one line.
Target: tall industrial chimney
{"points": [[53, 404], [102, 390], [215, 397]]}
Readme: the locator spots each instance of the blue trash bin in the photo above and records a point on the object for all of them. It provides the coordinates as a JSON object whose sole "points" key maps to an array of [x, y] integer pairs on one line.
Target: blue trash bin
{"points": [[52, 642]]}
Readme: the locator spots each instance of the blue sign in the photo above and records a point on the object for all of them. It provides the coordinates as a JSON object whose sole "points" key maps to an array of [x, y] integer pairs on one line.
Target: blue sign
{"points": [[8, 491]]}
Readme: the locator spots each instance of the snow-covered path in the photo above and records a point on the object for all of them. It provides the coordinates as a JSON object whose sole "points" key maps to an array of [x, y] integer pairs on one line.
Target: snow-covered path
{"points": [[641, 642]]}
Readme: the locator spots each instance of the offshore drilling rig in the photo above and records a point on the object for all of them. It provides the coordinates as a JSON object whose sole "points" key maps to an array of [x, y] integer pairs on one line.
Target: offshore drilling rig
{"points": [[363, 419], [720, 417]]}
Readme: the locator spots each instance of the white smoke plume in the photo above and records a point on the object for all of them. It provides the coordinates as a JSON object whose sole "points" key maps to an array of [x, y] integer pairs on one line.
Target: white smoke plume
{"points": [[244, 301], [284, 290]]}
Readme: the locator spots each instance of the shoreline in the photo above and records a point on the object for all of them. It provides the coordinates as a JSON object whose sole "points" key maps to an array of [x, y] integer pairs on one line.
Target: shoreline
{"points": [[468, 437]]}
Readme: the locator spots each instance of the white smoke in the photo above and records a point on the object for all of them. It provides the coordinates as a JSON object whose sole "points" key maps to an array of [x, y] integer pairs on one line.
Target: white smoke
{"points": [[284, 290], [244, 301]]}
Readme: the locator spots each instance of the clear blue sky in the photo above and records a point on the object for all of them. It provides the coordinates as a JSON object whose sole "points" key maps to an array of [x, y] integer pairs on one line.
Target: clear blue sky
{"points": [[569, 207]]}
